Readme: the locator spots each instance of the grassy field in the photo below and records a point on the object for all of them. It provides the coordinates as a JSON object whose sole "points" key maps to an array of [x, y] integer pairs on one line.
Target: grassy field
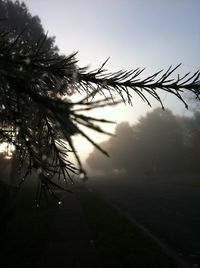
{"points": [[119, 242]]}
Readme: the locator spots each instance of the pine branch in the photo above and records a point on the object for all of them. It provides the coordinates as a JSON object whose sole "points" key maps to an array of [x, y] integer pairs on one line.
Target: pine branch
{"points": [[37, 116], [124, 81]]}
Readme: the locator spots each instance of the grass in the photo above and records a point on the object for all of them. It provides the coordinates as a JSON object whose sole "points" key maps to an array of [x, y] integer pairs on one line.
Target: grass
{"points": [[119, 242], [27, 233]]}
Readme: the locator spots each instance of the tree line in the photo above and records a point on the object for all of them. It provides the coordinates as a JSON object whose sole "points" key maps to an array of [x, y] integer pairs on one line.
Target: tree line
{"points": [[160, 143]]}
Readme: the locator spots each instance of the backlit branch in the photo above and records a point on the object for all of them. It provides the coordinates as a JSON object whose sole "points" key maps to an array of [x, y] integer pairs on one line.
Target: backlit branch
{"points": [[37, 116]]}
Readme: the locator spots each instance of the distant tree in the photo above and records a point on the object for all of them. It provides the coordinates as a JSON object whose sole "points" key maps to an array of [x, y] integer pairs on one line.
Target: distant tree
{"points": [[154, 146], [16, 18], [160, 140], [191, 134], [37, 115]]}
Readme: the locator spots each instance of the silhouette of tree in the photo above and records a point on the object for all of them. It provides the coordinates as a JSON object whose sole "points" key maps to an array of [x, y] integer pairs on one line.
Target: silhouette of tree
{"points": [[160, 143], [16, 18], [37, 115]]}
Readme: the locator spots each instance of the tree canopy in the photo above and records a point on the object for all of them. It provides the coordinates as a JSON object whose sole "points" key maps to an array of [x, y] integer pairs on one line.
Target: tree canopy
{"points": [[16, 18]]}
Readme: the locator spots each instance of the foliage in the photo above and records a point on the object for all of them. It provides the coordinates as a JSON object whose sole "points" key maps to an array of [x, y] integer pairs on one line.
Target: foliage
{"points": [[160, 143], [15, 18], [36, 113]]}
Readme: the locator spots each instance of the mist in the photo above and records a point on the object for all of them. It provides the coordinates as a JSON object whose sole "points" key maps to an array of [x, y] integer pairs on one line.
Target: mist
{"points": [[152, 177], [160, 144]]}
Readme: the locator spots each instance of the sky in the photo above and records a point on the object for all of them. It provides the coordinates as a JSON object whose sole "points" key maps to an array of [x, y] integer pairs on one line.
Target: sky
{"points": [[133, 33]]}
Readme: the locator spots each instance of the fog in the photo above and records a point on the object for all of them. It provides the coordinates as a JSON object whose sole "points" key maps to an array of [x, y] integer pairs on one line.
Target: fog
{"points": [[160, 144], [152, 177], [152, 174]]}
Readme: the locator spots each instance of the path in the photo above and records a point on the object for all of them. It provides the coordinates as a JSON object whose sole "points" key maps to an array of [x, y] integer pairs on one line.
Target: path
{"points": [[70, 244], [170, 211]]}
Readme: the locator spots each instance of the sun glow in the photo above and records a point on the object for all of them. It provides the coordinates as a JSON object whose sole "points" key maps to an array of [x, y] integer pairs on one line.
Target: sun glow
{"points": [[7, 150]]}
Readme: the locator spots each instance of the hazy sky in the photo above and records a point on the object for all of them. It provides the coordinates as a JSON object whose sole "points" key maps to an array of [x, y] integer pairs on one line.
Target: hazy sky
{"points": [[134, 33]]}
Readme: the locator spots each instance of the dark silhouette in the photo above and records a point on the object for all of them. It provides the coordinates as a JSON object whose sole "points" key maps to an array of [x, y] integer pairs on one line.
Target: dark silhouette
{"points": [[15, 21], [36, 113], [38, 118], [16, 18]]}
